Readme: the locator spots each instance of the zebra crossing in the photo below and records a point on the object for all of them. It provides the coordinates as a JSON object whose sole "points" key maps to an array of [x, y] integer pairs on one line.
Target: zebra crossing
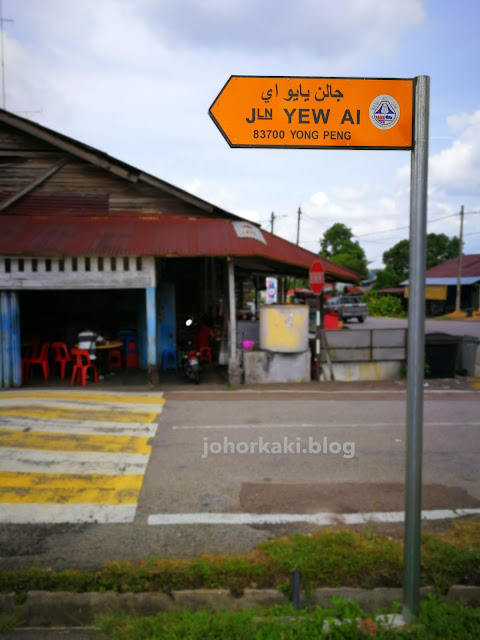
{"points": [[74, 456]]}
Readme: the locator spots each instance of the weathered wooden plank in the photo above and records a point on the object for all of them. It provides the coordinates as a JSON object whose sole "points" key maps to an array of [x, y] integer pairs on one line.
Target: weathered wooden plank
{"points": [[75, 274]]}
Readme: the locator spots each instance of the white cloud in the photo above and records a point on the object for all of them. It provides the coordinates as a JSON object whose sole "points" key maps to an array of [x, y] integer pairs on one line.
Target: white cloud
{"points": [[193, 186], [313, 26], [457, 167], [135, 78]]}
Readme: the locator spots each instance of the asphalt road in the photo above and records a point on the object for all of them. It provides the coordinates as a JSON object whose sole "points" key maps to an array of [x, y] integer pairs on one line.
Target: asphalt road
{"points": [[229, 469]]}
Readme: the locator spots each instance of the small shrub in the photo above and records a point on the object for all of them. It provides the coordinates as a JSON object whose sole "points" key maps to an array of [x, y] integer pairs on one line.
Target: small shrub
{"points": [[384, 306]]}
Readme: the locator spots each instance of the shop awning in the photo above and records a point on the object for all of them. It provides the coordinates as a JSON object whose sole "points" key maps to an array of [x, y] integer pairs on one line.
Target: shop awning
{"points": [[160, 236]]}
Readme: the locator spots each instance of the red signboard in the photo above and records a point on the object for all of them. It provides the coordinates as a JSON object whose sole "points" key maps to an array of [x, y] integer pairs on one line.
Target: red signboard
{"points": [[317, 277]]}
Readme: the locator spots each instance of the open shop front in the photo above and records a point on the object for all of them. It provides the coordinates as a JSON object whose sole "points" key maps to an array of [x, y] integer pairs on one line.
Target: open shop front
{"points": [[87, 238], [201, 269], [47, 302]]}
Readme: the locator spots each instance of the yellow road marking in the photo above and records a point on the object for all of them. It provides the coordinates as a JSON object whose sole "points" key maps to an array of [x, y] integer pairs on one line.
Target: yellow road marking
{"points": [[58, 488], [24, 490], [63, 496], [17, 479], [12, 439], [64, 413], [90, 397]]}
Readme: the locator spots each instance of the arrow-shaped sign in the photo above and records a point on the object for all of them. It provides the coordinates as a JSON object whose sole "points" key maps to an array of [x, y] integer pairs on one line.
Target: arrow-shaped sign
{"points": [[293, 112]]}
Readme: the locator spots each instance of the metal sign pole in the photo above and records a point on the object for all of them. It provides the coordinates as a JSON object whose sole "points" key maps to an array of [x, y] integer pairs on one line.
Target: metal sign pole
{"points": [[416, 350], [317, 341]]}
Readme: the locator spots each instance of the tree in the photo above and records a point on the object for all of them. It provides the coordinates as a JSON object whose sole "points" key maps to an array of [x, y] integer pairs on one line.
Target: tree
{"points": [[338, 246], [396, 260], [386, 279], [440, 248]]}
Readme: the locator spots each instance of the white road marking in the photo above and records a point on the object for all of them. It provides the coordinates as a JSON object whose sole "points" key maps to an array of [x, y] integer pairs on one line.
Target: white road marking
{"points": [[322, 519], [106, 405], [72, 462], [313, 425], [325, 392], [73, 468], [81, 393], [66, 513], [92, 427]]}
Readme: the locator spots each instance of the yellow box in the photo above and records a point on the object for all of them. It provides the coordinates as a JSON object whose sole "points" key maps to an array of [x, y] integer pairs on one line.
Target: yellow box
{"points": [[284, 328]]}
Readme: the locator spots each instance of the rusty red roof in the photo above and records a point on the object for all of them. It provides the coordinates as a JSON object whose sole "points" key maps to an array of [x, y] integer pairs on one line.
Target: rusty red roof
{"points": [[449, 269], [167, 236]]}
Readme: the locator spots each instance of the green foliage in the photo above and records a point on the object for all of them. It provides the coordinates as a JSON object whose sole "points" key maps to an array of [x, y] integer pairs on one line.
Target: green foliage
{"points": [[383, 306], [387, 278], [280, 623], [441, 620], [344, 620], [7, 622], [441, 561], [397, 259], [338, 246], [440, 248], [341, 558]]}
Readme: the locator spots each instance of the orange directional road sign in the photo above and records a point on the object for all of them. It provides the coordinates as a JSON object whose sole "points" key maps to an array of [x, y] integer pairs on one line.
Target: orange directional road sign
{"points": [[293, 112]]}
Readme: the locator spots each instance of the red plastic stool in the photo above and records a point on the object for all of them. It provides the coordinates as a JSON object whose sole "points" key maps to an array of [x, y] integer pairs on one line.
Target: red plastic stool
{"points": [[114, 359], [131, 353], [205, 354]]}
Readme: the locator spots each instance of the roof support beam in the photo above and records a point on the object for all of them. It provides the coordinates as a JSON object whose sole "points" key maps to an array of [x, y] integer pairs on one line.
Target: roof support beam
{"points": [[33, 185]]}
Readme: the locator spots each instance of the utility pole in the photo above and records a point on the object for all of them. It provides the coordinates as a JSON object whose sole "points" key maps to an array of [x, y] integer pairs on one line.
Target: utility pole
{"points": [[2, 20], [298, 240], [3, 57], [298, 225], [459, 269], [272, 219]]}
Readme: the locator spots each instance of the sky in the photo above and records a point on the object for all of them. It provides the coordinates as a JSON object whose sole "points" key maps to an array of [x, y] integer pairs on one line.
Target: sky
{"points": [[136, 78]]}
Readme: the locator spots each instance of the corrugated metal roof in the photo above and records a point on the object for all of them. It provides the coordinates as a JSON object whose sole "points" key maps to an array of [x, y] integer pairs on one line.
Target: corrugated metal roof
{"points": [[449, 269], [447, 272], [449, 282], [452, 281], [169, 236]]}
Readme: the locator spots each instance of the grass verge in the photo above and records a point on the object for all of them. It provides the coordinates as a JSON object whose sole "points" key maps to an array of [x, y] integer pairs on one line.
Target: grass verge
{"points": [[327, 558], [345, 620]]}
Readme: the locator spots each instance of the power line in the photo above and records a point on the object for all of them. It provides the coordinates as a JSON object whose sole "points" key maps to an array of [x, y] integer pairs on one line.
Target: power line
{"points": [[365, 235], [374, 233]]}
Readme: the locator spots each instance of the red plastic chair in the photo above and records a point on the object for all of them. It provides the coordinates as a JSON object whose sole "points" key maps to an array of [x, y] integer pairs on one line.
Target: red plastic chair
{"points": [[40, 359], [61, 357], [32, 350], [81, 365]]}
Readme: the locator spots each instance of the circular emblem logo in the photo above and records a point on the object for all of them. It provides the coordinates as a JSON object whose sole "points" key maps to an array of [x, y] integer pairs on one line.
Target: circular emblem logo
{"points": [[384, 112]]}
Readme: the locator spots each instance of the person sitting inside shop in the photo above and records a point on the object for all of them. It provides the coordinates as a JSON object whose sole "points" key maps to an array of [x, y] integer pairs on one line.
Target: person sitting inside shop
{"points": [[88, 340]]}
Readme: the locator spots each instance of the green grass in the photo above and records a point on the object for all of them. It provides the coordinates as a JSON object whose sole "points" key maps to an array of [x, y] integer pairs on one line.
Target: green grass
{"points": [[325, 559], [7, 622], [436, 620]]}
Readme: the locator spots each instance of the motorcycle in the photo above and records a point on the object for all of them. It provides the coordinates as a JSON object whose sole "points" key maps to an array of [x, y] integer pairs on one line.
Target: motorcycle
{"points": [[191, 364]]}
